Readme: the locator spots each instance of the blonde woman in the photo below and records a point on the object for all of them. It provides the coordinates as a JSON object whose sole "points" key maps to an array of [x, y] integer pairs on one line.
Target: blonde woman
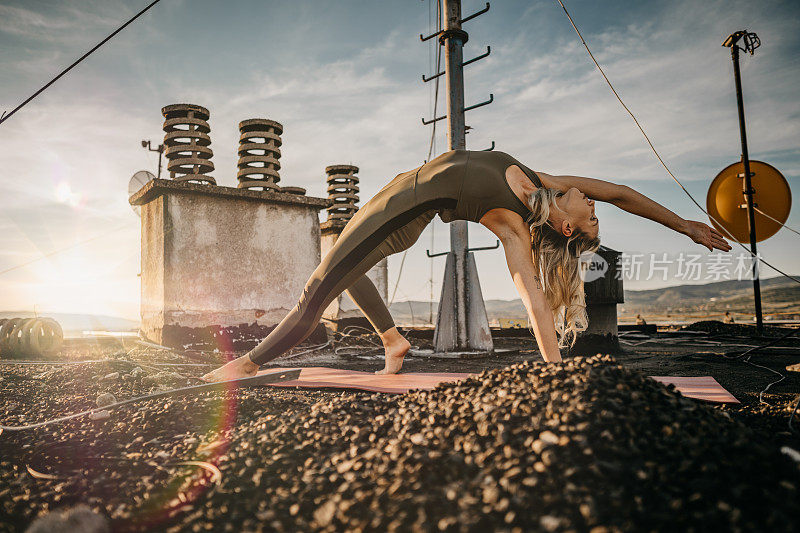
{"points": [[544, 222]]}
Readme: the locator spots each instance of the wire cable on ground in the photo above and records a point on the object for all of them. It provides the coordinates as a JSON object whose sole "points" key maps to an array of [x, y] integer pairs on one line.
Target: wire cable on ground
{"points": [[220, 385], [7, 116], [791, 415], [658, 156]]}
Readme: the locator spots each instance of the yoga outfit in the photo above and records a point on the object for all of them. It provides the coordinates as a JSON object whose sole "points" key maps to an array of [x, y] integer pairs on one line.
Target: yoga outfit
{"points": [[457, 185]]}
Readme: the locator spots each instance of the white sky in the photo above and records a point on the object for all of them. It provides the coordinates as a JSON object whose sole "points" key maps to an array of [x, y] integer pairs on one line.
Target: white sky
{"points": [[344, 80]]}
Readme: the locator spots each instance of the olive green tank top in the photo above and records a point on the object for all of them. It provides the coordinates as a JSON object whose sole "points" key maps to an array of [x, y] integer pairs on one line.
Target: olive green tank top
{"points": [[480, 178]]}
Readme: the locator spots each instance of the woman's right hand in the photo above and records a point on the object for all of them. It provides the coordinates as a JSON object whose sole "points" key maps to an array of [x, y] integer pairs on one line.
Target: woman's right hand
{"points": [[707, 236]]}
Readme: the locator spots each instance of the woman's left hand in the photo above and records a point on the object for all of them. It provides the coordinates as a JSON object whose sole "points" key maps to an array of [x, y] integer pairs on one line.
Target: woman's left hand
{"points": [[707, 236]]}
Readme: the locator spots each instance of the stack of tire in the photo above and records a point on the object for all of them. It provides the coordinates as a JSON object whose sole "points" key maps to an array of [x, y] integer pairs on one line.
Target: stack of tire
{"points": [[29, 336]]}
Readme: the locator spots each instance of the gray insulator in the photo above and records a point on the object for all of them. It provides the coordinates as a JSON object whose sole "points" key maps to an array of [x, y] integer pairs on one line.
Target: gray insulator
{"points": [[29, 336], [291, 189], [187, 143], [343, 190], [259, 154]]}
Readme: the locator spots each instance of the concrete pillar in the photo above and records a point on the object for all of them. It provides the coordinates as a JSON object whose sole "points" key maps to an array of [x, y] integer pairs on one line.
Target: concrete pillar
{"points": [[222, 257], [343, 194], [603, 289]]}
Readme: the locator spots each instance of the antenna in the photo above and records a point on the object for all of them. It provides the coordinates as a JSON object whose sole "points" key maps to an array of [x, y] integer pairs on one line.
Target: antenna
{"points": [[137, 181], [751, 42]]}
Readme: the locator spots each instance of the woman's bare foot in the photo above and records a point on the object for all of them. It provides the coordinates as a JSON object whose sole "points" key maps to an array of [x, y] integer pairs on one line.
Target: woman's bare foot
{"points": [[242, 367], [396, 347]]}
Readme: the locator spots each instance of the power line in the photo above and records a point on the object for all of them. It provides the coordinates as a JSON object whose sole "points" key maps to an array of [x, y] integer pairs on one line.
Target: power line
{"points": [[66, 248], [658, 156], [432, 143], [7, 116], [776, 220]]}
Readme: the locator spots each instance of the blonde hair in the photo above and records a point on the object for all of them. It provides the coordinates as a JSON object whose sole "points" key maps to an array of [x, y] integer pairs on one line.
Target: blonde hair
{"points": [[557, 260]]}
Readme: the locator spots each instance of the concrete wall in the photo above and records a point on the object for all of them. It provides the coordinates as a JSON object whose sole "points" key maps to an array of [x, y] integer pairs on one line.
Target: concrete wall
{"points": [[223, 256]]}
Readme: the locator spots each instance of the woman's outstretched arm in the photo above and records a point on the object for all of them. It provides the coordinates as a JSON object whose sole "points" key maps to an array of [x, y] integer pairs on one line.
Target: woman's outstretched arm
{"points": [[634, 202], [517, 247]]}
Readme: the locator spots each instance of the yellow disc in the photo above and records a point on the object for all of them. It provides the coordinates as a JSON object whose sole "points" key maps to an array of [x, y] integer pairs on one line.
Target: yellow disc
{"points": [[727, 203]]}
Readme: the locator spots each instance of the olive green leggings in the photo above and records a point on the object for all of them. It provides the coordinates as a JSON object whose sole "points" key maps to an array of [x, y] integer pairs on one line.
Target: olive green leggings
{"points": [[388, 223]]}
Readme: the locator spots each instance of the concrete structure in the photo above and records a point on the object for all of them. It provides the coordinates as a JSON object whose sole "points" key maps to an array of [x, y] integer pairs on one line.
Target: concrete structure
{"points": [[343, 194], [259, 154], [186, 137], [603, 288], [222, 256]]}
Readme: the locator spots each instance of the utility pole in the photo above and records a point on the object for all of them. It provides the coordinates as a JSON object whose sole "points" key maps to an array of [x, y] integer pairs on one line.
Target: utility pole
{"points": [[751, 42], [461, 323]]}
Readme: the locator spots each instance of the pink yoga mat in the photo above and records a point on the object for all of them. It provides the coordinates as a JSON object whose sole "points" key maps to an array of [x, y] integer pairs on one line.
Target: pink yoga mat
{"points": [[701, 388]]}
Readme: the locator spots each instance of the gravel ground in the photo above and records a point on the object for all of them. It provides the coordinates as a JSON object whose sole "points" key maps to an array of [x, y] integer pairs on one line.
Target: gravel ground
{"points": [[583, 445]]}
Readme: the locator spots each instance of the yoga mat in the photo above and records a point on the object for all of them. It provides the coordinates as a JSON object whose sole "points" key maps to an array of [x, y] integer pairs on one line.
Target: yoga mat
{"points": [[318, 377], [701, 388]]}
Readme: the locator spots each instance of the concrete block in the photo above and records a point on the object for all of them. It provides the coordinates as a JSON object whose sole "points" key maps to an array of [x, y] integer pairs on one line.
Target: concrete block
{"points": [[222, 256]]}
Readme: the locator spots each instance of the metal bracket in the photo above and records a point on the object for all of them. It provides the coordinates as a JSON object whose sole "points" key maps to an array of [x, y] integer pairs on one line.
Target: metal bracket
{"points": [[489, 149], [497, 245], [477, 58], [489, 101], [428, 252], [431, 36], [477, 13], [426, 122], [465, 63]]}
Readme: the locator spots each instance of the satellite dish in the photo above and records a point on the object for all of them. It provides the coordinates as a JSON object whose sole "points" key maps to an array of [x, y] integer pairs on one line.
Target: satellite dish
{"points": [[727, 203], [136, 183]]}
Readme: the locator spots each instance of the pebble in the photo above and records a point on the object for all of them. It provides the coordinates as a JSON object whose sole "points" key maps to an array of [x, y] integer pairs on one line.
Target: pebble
{"points": [[573, 446], [99, 415], [105, 399]]}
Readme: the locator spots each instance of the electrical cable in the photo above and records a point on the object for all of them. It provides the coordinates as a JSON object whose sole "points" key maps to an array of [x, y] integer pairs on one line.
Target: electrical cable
{"points": [[7, 116], [658, 156], [158, 394], [762, 346], [791, 415], [433, 132], [65, 249], [776, 220]]}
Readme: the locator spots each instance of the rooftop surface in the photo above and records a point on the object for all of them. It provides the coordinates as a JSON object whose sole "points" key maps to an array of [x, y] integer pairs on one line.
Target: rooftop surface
{"points": [[461, 457]]}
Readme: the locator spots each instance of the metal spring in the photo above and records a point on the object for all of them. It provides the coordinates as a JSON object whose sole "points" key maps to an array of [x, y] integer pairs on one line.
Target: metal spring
{"points": [[29, 336], [342, 189], [187, 142], [259, 154]]}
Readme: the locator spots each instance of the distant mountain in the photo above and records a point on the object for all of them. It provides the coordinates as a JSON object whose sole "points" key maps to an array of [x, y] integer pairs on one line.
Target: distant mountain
{"points": [[73, 323], [778, 295]]}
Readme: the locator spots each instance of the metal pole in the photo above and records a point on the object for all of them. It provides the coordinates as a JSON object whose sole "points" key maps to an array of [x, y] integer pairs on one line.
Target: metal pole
{"points": [[160, 153], [748, 189], [454, 38]]}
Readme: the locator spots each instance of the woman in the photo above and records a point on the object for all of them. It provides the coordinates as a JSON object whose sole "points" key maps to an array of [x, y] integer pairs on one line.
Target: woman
{"points": [[544, 222]]}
